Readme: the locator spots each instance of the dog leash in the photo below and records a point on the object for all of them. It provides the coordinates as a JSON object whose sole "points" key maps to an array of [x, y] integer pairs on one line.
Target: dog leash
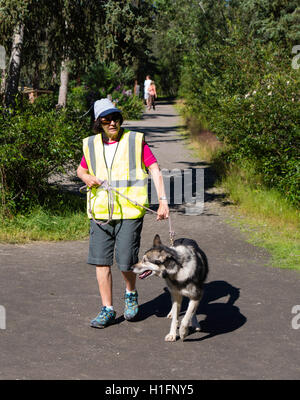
{"points": [[81, 116], [110, 190]]}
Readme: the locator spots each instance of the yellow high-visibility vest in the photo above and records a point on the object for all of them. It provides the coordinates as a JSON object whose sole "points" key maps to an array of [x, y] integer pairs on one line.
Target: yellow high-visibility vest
{"points": [[127, 175]]}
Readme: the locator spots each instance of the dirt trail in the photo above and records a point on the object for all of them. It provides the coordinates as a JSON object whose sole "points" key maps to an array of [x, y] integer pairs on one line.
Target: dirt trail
{"points": [[50, 294]]}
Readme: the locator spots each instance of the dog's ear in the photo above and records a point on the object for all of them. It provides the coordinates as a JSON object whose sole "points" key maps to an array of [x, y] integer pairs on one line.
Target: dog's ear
{"points": [[157, 242]]}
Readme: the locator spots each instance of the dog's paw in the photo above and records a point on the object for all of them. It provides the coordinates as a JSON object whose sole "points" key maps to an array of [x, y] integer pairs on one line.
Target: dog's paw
{"points": [[170, 337], [183, 331]]}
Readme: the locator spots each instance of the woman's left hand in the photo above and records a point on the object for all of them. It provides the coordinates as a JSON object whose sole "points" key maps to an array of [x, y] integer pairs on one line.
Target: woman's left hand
{"points": [[163, 210]]}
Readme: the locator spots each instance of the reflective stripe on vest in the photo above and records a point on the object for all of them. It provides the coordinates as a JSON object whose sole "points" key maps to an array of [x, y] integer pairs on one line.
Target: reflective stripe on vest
{"points": [[127, 175]]}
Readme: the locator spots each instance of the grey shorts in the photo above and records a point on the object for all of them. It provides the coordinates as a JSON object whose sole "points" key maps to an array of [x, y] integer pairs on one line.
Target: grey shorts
{"points": [[121, 236]]}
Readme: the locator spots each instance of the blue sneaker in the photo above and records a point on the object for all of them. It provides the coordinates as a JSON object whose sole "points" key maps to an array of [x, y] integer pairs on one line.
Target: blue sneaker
{"points": [[104, 318], [131, 305]]}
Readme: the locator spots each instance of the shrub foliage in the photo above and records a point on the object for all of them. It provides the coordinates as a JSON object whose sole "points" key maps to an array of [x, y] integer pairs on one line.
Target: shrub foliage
{"points": [[36, 142]]}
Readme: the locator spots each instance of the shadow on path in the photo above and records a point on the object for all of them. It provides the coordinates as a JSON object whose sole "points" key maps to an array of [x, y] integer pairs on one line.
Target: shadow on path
{"points": [[220, 318], [152, 131], [156, 115]]}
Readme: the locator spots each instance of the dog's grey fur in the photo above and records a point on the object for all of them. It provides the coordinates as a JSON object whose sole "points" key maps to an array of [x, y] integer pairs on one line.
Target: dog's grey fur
{"points": [[184, 266]]}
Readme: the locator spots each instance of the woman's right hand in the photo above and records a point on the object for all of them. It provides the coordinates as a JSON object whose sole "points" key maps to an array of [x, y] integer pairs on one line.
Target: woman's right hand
{"points": [[91, 180]]}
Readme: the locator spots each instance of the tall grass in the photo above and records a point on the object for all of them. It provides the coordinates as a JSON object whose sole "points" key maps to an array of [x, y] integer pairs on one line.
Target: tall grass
{"points": [[62, 217], [270, 220]]}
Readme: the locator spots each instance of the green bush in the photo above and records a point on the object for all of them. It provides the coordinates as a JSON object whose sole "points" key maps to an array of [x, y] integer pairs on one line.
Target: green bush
{"points": [[34, 145], [105, 79], [80, 99], [131, 106], [43, 103], [77, 99], [107, 76], [263, 125], [249, 97]]}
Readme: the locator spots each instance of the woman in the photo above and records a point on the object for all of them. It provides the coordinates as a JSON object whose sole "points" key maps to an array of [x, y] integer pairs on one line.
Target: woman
{"points": [[122, 158], [152, 95]]}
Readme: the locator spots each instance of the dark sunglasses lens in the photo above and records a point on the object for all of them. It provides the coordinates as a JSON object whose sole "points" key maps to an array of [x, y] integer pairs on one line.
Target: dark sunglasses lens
{"points": [[107, 120]]}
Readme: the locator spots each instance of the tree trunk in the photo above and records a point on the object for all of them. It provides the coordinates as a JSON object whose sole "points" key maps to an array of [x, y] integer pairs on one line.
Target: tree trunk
{"points": [[63, 88], [3, 68], [14, 66], [3, 80]]}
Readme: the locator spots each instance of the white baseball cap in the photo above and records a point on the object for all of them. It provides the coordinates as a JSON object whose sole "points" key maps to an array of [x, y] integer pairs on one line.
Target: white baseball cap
{"points": [[104, 107]]}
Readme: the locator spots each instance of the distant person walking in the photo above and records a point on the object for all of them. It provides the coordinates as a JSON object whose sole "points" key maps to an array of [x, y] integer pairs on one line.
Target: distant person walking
{"points": [[146, 86], [136, 89], [152, 95]]}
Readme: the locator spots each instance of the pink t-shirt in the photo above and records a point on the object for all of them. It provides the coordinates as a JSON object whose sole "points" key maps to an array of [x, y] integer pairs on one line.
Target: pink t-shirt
{"points": [[147, 156]]}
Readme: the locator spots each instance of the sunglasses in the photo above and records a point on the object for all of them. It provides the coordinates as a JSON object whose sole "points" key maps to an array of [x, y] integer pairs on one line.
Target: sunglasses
{"points": [[107, 120]]}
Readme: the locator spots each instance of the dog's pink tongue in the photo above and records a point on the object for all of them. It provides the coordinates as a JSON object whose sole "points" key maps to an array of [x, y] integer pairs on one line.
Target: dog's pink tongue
{"points": [[145, 274]]}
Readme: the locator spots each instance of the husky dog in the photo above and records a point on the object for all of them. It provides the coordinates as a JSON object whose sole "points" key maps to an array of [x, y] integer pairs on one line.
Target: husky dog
{"points": [[184, 267]]}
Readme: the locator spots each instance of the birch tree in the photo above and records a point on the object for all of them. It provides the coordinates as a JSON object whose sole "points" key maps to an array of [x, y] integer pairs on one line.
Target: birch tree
{"points": [[13, 16], [77, 23], [14, 67]]}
